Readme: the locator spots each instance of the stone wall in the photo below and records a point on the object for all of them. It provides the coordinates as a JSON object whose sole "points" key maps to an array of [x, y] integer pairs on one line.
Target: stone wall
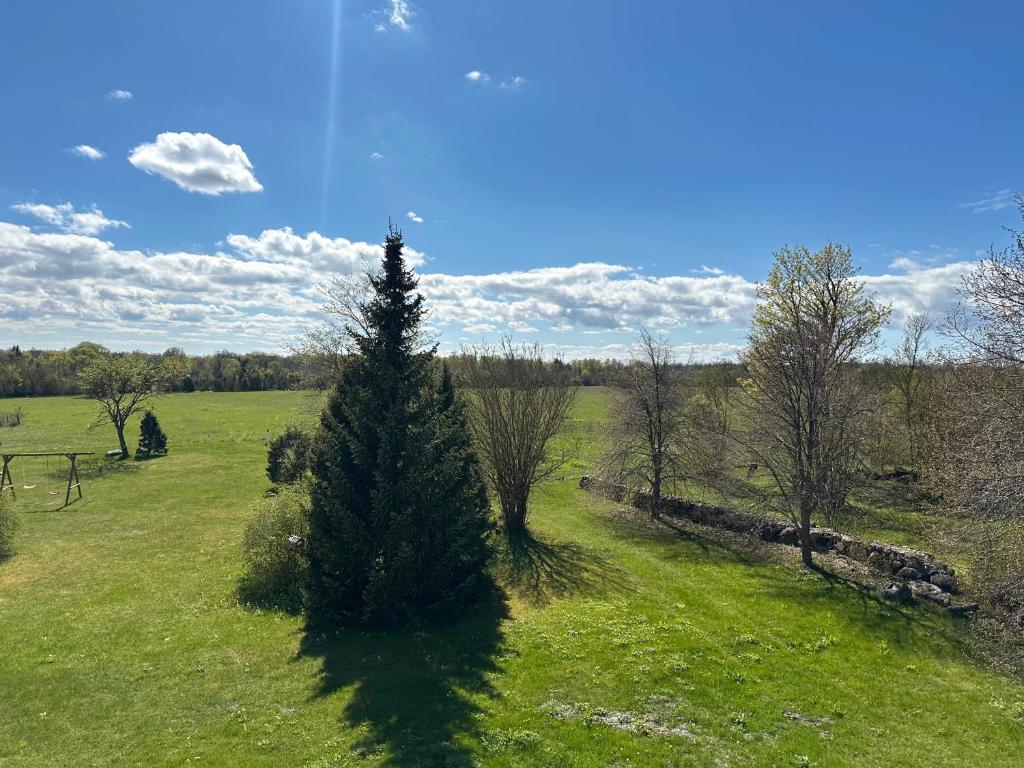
{"points": [[914, 572]]}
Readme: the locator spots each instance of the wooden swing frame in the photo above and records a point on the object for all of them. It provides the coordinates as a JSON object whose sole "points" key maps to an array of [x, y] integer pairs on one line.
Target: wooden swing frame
{"points": [[7, 481]]}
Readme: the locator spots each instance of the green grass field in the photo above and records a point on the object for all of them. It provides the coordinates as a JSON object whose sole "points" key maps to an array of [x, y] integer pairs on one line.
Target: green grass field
{"points": [[612, 642]]}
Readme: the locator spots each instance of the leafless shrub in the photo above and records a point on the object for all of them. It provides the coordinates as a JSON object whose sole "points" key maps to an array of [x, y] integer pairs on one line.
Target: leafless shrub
{"points": [[976, 451], [910, 378], [653, 438], [11, 418], [517, 405], [323, 349]]}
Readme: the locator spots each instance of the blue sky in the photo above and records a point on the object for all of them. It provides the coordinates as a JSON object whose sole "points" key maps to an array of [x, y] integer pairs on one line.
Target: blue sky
{"points": [[608, 165]]}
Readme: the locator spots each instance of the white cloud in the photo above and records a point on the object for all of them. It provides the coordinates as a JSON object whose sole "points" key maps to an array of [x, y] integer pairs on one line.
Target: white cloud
{"points": [[258, 291], [396, 14], [593, 295], [904, 263], [66, 219], [696, 353], [920, 288], [119, 94], [312, 251], [84, 150], [376, 156], [197, 162], [520, 327], [705, 270], [510, 83], [1003, 198], [414, 217]]}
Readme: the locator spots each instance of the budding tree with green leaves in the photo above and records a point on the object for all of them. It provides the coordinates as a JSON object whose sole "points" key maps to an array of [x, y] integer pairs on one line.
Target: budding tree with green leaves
{"points": [[807, 415], [123, 385]]}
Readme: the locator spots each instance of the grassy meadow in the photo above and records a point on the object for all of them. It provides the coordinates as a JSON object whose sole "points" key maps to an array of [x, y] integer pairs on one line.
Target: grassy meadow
{"points": [[612, 641]]}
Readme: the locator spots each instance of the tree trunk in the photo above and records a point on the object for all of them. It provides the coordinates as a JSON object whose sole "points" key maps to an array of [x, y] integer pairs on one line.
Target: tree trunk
{"points": [[805, 537], [513, 511], [121, 440], [655, 505]]}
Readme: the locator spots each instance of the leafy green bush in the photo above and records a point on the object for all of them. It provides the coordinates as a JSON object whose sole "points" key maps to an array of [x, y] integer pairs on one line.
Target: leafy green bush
{"points": [[289, 456], [275, 570], [8, 524]]}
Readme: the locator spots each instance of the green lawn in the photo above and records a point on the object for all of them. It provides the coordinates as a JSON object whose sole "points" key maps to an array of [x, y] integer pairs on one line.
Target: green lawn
{"points": [[122, 643]]}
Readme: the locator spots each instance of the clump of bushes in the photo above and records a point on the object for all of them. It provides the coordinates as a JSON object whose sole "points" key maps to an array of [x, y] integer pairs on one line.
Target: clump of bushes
{"points": [[997, 576], [152, 440], [8, 525], [289, 456], [10, 418], [275, 568]]}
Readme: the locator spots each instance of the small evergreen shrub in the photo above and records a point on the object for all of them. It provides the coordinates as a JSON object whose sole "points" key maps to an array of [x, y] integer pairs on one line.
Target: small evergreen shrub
{"points": [[289, 456], [275, 572], [152, 440], [8, 525]]}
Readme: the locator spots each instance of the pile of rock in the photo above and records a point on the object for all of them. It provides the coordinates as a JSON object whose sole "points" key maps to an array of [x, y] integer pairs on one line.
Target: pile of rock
{"points": [[917, 573], [925, 577]]}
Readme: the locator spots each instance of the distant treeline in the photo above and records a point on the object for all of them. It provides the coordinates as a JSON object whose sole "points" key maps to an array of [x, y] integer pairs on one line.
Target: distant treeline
{"points": [[37, 372], [591, 372], [56, 372]]}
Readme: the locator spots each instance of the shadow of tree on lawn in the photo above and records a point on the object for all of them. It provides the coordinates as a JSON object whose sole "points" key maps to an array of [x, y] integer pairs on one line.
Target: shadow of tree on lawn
{"points": [[415, 691], [631, 523], [824, 587], [541, 570]]}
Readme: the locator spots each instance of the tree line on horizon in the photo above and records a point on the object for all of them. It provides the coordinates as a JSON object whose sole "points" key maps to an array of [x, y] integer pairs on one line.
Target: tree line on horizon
{"points": [[48, 372], [39, 372]]}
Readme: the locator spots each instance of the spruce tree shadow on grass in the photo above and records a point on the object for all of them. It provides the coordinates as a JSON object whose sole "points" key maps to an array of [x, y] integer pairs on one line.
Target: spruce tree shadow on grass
{"points": [[142, 457], [541, 570], [415, 691], [254, 596]]}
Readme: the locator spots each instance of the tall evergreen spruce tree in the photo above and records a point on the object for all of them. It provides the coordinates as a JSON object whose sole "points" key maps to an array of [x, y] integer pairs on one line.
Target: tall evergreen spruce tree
{"points": [[399, 513]]}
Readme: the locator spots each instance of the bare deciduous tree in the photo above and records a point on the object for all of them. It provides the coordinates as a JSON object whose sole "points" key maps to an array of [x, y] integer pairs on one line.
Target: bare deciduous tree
{"points": [[980, 446], [990, 320], [650, 430], [805, 413], [908, 363], [323, 349], [517, 404], [976, 456]]}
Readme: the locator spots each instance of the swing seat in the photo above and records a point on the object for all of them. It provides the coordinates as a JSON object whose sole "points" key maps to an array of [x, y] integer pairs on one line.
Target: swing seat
{"points": [[28, 487]]}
